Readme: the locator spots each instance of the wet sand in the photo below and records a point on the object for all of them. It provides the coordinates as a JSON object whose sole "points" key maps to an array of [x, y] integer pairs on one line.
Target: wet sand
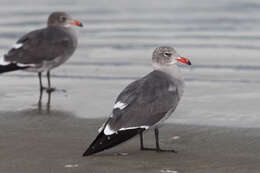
{"points": [[217, 119], [33, 141]]}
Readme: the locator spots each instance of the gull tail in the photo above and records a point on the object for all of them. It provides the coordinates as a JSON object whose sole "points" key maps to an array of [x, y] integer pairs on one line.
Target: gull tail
{"points": [[103, 142], [11, 67]]}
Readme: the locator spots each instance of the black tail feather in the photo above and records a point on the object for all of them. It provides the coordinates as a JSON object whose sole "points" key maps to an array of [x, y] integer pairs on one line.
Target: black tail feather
{"points": [[10, 67], [103, 142]]}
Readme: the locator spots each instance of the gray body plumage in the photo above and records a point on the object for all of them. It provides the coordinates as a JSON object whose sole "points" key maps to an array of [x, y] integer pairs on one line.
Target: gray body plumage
{"points": [[148, 101], [44, 49]]}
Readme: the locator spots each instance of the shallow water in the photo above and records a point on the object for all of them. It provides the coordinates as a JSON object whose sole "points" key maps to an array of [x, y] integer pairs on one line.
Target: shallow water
{"points": [[222, 40]]}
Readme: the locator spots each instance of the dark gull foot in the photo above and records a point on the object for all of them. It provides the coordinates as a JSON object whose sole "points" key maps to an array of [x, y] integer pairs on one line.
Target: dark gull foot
{"points": [[158, 150], [50, 90]]}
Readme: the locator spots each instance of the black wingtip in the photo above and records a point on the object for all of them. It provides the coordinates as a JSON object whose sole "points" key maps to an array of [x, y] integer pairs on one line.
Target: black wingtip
{"points": [[87, 153], [10, 67], [103, 142]]}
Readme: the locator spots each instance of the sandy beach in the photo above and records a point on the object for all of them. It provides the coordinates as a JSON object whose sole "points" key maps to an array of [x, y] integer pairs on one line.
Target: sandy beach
{"points": [[33, 142], [216, 126]]}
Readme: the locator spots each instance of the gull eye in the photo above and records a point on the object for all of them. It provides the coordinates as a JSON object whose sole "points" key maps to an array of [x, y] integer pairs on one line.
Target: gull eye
{"points": [[167, 54], [62, 18]]}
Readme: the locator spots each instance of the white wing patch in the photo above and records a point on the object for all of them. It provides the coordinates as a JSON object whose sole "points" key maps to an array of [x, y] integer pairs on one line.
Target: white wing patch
{"points": [[17, 45], [120, 105], [108, 130], [25, 65], [3, 62], [129, 128]]}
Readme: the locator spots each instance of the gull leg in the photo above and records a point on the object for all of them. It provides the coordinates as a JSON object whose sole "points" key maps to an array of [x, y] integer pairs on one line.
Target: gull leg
{"points": [[142, 144], [141, 141], [41, 89], [40, 80], [49, 102], [158, 149], [49, 89]]}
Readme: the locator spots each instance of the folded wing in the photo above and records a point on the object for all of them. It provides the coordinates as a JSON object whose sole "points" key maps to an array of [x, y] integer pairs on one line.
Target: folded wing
{"points": [[144, 103], [41, 45]]}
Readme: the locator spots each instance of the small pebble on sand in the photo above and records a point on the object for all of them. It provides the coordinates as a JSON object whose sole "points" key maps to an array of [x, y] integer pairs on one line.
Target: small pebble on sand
{"points": [[121, 154], [176, 137], [71, 166], [168, 171]]}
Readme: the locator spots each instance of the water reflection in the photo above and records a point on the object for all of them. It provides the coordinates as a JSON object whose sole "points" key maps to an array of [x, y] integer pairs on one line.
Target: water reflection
{"points": [[39, 114], [48, 104]]}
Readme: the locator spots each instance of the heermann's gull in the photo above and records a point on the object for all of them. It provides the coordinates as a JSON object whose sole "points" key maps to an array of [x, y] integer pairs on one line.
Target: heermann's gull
{"points": [[44, 49], [144, 104]]}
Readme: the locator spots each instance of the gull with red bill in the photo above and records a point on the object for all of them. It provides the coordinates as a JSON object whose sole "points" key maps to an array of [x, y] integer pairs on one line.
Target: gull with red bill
{"points": [[43, 49], [144, 104]]}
